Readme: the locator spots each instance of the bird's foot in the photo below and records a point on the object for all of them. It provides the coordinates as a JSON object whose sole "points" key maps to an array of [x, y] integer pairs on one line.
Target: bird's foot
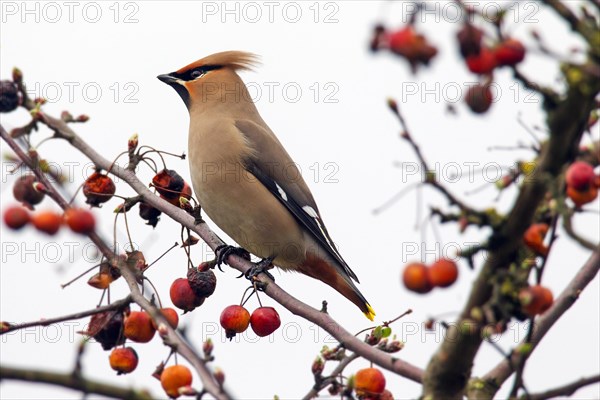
{"points": [[197, 214], [260, 267], [224, 251]]}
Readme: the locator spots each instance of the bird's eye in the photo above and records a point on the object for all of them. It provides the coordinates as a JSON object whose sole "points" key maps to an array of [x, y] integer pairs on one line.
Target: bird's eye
{"points": [[197, 73]]}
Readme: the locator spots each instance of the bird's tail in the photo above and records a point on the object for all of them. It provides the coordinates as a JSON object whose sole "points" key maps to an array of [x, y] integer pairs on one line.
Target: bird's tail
{"points": [[323, 268]]}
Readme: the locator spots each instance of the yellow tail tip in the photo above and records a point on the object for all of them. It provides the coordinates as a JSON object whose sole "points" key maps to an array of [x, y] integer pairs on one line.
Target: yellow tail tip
{"points": [[370, 313]]}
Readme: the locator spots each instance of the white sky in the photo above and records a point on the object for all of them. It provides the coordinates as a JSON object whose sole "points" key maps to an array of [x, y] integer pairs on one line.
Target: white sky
{"points": [[324, 95]]}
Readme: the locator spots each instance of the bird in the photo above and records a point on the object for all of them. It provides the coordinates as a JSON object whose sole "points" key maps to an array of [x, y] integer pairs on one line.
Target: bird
{"points": [[245, 180]]}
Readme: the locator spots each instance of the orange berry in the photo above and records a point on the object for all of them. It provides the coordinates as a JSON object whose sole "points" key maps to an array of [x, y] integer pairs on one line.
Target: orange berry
{"points": [[16, 217], [80, 221], [582, 198], [535, 299], [416, 278], [443, 272], [175, 377], [123, 360], [534, 238], [234, 319], [138, 327], [47, 221], [170, 315], [369, 382]]}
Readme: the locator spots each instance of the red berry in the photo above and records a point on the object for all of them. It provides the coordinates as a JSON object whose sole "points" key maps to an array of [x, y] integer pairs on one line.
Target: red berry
{"points": [[16, 217], [479, 98], [582, 198], [183, 296], [416, 278], [123, 360], [47, 221], [482, 63], [509, 52], [24, 191], [80, 221], [580, 176], [369, 382], [535, 299], [169, 184], [138, 327], [264, 321], [534, 238], [170, 315], [234, 319], [175, 377], [98, 189], [443, 272], [185, 192]]}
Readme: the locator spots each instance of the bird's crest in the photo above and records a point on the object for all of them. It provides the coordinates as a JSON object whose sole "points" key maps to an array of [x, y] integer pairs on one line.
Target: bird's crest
{"points": [[236, 60]]}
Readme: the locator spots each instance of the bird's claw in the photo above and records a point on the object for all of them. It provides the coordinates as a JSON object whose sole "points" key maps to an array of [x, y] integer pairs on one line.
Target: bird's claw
{"points": [[224, 251], [260, 267]]}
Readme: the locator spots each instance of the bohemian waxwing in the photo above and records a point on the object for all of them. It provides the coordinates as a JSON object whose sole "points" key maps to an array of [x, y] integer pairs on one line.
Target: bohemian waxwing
{"points": [[247, 183]]}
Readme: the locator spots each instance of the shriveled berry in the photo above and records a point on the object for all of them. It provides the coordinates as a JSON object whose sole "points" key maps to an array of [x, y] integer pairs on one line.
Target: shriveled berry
{"points": [[479, 98], [123, 360], [168, 183], [150, 214], [107, 329], [98, 188], [469, 40], [16, 217], [24, 191], [203, 283], [9, 96], [186, 192]]}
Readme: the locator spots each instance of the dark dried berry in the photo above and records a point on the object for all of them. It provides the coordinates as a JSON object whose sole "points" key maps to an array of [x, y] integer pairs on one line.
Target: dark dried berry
{"points": [[479, 98], [107, 329], [98, 189], [150, 214], [9, 96], [203, 283], [469, 40], [24, 191], [168, 183]]}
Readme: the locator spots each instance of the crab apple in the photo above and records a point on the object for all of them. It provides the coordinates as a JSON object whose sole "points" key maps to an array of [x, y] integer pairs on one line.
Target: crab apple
{"points": [[535, 299], [107, 275], [182, 295], [479, 98], [170, 315], [443, 272], [234, 319], [149, 213], [24, 191], [509, 52], [175, 377], [582, 198], [98, 188], [202, 282], [386, 395], [580, 176], [469, 40], [123, 360], [482, 63], [106, 328], [138, 327], [534, 238], [46, 221], [80, 221], [168, 183], [369, 382], [9, 96], [264, 321], [185, 192], [416, 278], [16, 217]]}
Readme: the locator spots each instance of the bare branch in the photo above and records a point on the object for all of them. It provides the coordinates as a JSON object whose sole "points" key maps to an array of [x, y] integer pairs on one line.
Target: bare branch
{"points": [[566, 390], [74, 382]]}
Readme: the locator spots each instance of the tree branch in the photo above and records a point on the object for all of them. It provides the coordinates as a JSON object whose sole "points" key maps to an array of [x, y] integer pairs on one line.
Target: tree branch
{"points": [[566, 390], [172, 338], [74, 382], [117, 305], [314, 392]]}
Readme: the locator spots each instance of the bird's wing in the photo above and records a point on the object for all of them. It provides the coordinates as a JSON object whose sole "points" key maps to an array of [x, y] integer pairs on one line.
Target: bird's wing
{"points": [[275, 169]]}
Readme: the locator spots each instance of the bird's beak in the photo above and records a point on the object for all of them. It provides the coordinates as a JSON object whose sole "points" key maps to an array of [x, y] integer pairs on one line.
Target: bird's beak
{"points": [[168, 79]]}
